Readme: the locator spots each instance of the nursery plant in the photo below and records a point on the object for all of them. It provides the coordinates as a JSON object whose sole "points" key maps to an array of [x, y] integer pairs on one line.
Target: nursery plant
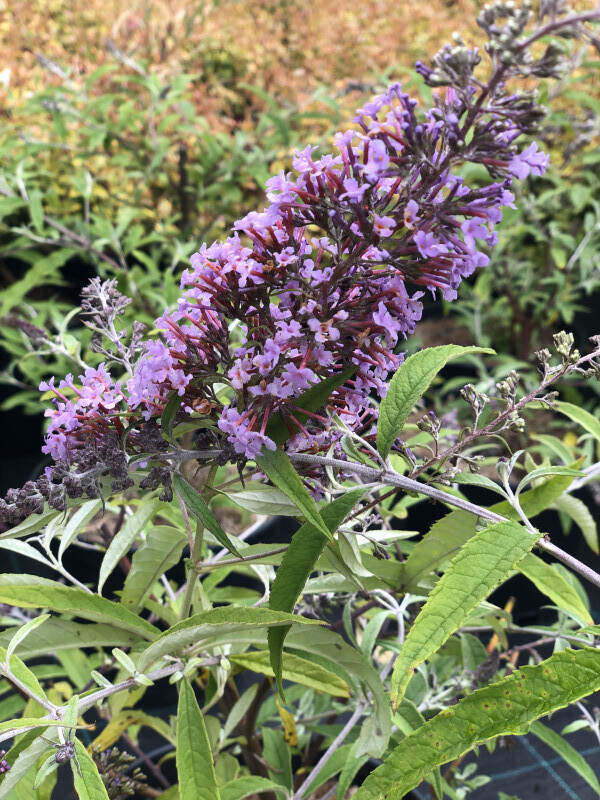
{"points": [[358, 653]]}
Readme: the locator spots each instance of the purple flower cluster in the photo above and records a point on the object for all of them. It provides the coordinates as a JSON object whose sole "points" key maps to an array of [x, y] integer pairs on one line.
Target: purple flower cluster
{"points": [[90, 406], [316, 283]]}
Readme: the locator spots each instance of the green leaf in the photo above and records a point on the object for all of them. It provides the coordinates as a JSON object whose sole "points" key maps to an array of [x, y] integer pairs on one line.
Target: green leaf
{"points": [[21, 633], [195, 767], [577, 510], [168, 415], [47, 768], [311, 400], [250, 785], [160, 550], [551, 583], [62, 634], [566, 752], [278, 756], [14, 727], [296, 669], [195, 503], [32, 524], [23, 549], [8, 205], [482, 563], [278, 467], [88, 784], [78, 521], [298, 562], [22, 672], [448, 534], [36, 210], [336, 764], [20, 766], [210, 624], [26, 591], [350, 664], [238, 712], [170, 794], [582, 417], [348, 772], [409, 384], [474, 479], [555, 445], [264, 500], [507, 707], [125, 537], [542, 472]]}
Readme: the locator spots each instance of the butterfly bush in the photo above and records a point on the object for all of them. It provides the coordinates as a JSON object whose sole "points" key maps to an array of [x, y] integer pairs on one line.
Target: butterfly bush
{"points": [[324, 283]]}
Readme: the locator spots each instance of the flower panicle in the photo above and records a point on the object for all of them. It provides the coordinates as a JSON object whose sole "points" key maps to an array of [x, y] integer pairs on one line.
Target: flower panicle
{"points": [[330, 275]]}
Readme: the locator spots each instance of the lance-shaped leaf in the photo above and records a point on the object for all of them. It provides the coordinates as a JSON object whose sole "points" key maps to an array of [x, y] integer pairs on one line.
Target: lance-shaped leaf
{"points": [[168, 415], [195, 767], [22, 760], [311, 400], [250, 785], [567, 752], [32, 524], [577, 510], [87, 781], [76, 523], [448, 534], [410, 382], [160, 551], [483, 563], [278, 467], [264, 500], [551, 583], [348, 662], [507, 707], [298, 562], [64, 634], [124, 538], [26, 591], [582, 417], [23, 632], [205, 626], [296, 669], [195, 503], [125, 719]]}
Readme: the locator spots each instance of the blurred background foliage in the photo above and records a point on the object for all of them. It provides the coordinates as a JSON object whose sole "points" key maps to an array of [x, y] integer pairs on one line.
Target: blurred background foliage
{"points": [[130, 132]]}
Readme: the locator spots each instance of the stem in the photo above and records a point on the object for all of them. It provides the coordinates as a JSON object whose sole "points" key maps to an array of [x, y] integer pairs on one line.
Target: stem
{"points": [[52, 710], [211, 565], [411, 485], [154, 769], [90, 700], [535, 631], [195, 555], [186, 521], [493, 426], [250, 531], [333, 747]]}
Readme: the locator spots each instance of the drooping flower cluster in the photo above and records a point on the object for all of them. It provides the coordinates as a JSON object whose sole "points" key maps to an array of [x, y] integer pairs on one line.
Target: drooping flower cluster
{"points": [[317, 281], [325, 282]]}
